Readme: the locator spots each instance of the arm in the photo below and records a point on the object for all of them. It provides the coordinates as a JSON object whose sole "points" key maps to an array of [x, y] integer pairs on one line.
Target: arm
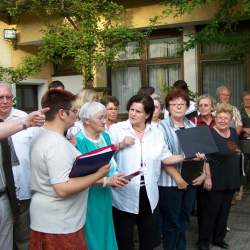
{"points": [[35, 118], [75, 185], [208, 180], [174, 173]]}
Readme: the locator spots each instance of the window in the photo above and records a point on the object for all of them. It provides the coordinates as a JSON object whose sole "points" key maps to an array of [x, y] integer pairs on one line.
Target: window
{"points": [[26, 97], [160, 65], [216, 71]]}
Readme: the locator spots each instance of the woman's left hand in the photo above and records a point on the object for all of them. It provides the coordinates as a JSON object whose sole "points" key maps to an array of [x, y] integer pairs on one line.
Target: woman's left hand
{"points": [[117, 181], [200, 156], [199, 180]]}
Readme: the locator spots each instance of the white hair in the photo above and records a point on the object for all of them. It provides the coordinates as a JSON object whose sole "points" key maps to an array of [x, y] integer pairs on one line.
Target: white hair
{"points": [[6, 85], [89, 109]]}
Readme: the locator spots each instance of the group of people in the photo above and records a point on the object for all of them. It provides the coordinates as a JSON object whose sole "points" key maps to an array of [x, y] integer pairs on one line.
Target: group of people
{"points": [[99, 211]]}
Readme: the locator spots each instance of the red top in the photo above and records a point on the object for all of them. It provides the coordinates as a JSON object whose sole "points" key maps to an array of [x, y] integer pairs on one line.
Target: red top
{"points": [[199, 122]]}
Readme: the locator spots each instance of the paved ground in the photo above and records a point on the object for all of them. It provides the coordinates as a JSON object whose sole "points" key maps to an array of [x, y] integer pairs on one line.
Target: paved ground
{"points": [[239, 222]]}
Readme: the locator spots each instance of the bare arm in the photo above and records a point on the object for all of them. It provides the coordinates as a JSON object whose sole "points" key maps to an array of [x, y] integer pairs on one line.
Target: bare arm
{"points": [[174, 173], [35, 118], [75, 185]]}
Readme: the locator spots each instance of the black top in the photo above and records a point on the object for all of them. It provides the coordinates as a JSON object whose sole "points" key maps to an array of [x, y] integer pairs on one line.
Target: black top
{"points": [[225, 164]]}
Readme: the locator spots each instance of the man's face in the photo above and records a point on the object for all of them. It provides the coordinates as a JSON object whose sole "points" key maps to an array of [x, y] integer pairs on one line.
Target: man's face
{"points": [[5, 101]]}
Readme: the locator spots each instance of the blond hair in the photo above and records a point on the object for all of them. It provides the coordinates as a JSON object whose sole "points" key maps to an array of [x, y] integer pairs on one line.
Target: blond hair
{"points": [[224, 108], [85, 95]]}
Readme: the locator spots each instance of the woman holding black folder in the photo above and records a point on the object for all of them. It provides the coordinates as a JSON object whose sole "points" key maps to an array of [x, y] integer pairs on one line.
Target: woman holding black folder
{"points": [[100, 234], [225, 174], [176, 195]]}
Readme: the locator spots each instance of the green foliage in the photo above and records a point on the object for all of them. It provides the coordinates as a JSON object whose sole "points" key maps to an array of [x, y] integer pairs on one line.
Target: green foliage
{"points": [[91, 32], [29, 67], [223, 27]]}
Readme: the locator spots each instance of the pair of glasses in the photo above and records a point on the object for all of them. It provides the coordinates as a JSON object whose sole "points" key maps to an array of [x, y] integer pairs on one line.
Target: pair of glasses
{"points": [[177, 104], [75, 111]]}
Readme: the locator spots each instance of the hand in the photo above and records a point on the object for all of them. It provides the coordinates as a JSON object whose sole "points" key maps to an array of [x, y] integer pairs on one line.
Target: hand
{"points": [[199, 180], [71, 138], [36, 118], [207, 183], [127, 141], [181, 183], [200, 156], [117, 181], [103, 170]]}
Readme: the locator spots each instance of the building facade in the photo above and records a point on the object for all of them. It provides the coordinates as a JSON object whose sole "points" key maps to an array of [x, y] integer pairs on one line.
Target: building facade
{"points": [[159, 65]]}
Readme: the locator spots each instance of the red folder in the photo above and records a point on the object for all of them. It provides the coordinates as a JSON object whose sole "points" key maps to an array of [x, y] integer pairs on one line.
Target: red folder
{"points": [[90, 162]]}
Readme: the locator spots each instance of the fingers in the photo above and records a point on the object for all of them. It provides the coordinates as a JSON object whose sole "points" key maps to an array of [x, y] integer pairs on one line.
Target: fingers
{"points": [[44, 110]]}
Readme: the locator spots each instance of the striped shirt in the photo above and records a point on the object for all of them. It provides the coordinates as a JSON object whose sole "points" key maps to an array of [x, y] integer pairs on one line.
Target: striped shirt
{"points": [[170, 137]]}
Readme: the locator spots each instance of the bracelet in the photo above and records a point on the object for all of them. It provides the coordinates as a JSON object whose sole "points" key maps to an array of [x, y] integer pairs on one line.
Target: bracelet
{"points": [[24, 124], [105, 181]]}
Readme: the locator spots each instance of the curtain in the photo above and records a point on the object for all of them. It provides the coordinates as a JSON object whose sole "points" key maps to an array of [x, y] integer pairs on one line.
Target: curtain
{"points": [[227, 73], [125, 83], [164, 75], [164, 47], [129, 52]]}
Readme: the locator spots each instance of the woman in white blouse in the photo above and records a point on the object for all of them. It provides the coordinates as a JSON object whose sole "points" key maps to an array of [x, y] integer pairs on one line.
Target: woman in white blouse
{"points": [[141, 146]]}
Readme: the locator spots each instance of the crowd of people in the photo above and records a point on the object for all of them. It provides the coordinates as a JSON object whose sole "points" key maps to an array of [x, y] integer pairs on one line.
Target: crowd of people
{"points": [[42, 208]]}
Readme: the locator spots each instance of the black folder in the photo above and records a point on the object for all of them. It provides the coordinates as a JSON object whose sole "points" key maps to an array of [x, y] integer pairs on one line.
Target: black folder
{"points": [[197, 139], [89, 163], [191, 170]]}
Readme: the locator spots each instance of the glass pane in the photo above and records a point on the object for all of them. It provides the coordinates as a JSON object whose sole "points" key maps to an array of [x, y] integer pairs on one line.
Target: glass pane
{"points": [[213, 49], [129, 52], [29, 100], [164, 47], [125, 83], [230, 74], [163, 75]]}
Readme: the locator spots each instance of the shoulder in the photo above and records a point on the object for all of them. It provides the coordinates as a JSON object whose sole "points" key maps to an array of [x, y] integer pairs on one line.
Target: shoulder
{"points": [[120, 125], [17, 113]]}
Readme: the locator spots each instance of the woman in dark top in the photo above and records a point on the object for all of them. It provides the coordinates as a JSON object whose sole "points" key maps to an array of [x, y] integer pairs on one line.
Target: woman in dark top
{"points": [[225, 174]]}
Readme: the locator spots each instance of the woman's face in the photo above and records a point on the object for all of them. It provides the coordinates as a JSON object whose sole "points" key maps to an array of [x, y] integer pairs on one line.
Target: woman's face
{"points": [[224, 96], [97, 122], [137, 114], [112, 112], [157, 110], [177, 108], [246, 101], [205, 106], [222, 120]]}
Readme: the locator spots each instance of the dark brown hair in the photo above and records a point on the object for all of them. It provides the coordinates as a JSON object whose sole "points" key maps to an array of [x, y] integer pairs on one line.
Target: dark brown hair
{"points": [[107, 99], [147, 103], [177, 93], [57, 99]]}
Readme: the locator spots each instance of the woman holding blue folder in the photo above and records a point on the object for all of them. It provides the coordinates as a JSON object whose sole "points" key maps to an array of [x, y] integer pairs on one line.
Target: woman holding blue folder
{"points": [[99, 227]]}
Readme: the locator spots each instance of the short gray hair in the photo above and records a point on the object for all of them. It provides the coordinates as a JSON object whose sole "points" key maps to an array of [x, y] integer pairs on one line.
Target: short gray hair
{"points": [[89, 109], [220, 89], [205, 96]]}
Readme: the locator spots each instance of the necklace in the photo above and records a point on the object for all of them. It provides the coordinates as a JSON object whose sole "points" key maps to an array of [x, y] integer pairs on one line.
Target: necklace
{"points": [[139, 131], [224, 134]]}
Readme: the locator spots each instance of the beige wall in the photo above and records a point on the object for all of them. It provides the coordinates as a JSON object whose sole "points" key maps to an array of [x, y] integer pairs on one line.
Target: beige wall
{"points": [[138, 17], [5, 48]]}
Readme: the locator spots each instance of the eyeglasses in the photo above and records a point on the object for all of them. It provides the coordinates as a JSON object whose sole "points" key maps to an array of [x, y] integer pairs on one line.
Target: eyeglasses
{"points": [[100, 118], [7, 97], [75, 111], [222, 118], [177, 104], [112, 109]]}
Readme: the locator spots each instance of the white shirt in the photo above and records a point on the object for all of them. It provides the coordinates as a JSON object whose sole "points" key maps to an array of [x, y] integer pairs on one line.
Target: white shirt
{"points": [[21, 142], [128, 160]]}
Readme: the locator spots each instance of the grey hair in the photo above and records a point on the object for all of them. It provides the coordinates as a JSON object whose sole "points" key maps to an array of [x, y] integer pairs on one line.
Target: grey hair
{"points": [[89, 109], [205, 96], [158, 98], [220, 89]]}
